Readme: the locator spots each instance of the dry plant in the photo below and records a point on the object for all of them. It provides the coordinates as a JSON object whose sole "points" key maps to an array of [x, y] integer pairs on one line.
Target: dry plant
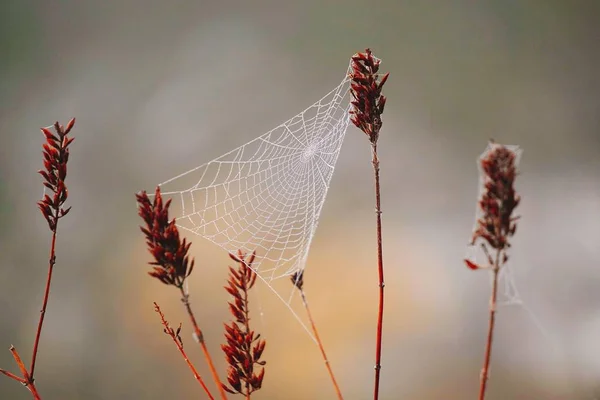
{"points": [[496, 225], [172, 265], [367, 108], [179, 343], [56, 157], [244, 348]]}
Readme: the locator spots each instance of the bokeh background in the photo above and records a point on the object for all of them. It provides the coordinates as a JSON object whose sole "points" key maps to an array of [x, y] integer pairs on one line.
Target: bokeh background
{"points": [[160, 87]]}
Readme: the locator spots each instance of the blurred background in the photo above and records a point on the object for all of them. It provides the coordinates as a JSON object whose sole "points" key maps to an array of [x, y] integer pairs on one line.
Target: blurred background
{"points": [[161, 87]]}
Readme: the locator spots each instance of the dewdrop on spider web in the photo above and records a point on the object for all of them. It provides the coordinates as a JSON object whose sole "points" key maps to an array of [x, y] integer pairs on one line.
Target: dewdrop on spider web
{"points": [[267, 195]]}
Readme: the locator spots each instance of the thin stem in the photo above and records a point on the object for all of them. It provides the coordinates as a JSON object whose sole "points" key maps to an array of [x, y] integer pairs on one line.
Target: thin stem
{"points": [[174, 336], [247, 326], [200, 338], [12, 376], [51, 262], [314, 328], [28, 379], [491, 325], [380, 270]]}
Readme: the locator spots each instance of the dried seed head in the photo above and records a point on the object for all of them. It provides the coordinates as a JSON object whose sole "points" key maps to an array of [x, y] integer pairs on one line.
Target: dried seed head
{"points": [[170, 253], [366, 87], [244, 348], [56, 156], [498, 199]]}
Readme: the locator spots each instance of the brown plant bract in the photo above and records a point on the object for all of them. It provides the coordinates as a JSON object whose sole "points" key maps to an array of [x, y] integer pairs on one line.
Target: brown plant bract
{"points": [[243, 349]]}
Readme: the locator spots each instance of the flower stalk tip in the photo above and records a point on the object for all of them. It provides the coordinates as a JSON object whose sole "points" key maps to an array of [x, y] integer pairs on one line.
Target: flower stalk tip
{"points": [[244, 348], [172, 263], [366, 85], [56, 156], [498, 200]]}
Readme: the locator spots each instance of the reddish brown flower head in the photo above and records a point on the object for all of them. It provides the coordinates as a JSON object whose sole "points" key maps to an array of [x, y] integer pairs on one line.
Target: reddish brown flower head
{"points": [[56, 156], [498, 200], [244, 348], [171, 259], [365, 88]]}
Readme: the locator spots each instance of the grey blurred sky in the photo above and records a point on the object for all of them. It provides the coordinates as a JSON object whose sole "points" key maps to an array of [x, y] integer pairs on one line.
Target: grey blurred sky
{"points": [[160, 87]]}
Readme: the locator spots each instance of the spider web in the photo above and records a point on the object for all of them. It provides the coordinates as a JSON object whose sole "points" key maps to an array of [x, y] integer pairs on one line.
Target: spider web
{"points": [[267, 195]]}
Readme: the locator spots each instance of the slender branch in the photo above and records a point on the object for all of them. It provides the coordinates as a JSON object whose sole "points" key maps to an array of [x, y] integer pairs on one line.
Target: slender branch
{"points": [[367, 107], [200, 337], [247, 326], [314, 328], [380, 270], [13, 376], [491, 325], [56, 156], [495, 226], [28, 379], [175, 336], [51, 263]]}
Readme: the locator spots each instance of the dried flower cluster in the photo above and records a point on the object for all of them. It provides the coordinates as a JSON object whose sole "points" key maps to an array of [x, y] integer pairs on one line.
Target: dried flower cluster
{"points": [[498, 201], [56, 156], [366, 87], [243, 349], [171, 259]]}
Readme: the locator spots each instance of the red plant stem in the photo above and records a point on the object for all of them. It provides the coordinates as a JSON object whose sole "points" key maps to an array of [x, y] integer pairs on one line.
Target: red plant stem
{"points": [[314, 329], [51, 262], [169, 331], [491, 325], [27, 378], [193, 369], [12, 376], [200, 337], [380, 269], [247, 326]]}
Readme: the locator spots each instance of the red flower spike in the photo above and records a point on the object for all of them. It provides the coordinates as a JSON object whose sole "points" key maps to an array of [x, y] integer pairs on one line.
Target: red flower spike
{"points": [[498, 201], [56, 155], [170, 253], [243, 349], [366, 86]]}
